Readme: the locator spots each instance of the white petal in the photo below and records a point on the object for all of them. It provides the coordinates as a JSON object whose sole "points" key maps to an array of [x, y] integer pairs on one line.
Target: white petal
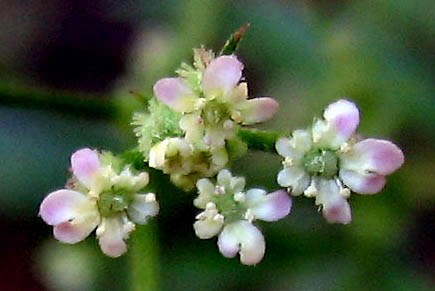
{"points": [[221, 75], [176, 94], [362, 183], [219, 157], [84, 164], [111, 235], [295, 178], [336, 209], [205, 186], [207, 228], [224, 178], [268, 207], [143, 207], [244, 238], [193, 126], [283, 147], [238, 184], [296, 146], [238, 94], [215, 137], [301, 140], [71, 213], [373, 156]]}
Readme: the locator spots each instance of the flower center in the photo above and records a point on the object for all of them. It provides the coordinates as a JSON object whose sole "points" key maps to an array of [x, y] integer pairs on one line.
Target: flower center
{"points": [[320, 162], [111, 203], [215, 112], [229, 208]]}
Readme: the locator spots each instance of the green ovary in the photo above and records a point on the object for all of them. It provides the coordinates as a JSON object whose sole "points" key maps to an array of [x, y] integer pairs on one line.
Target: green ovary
{"points": [[215, 112], [320, 162], [230, 209], [112, 203]]}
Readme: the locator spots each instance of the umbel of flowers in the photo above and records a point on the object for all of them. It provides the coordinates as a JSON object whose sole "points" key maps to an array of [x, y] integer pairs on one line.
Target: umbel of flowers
{"points": [[328, 160], [207, 104], [229, 212], [191, 132], [97, 196]]}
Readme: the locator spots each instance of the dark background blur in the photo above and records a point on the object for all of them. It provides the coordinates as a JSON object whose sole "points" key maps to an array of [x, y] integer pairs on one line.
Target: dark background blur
{"points": [[66, 70]]}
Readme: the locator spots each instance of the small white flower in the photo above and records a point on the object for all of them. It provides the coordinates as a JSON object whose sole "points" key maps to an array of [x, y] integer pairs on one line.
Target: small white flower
{"points": [[323, 161], [229, 213]]}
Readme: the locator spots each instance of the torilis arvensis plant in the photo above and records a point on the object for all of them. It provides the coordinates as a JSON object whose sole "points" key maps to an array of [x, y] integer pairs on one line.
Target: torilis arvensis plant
{"points": [[193, 127]]}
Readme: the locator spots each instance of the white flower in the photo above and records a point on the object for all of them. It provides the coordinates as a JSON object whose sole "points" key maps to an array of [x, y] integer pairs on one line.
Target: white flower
{"points": [[100, 199], [323, 161], [229, 213]]}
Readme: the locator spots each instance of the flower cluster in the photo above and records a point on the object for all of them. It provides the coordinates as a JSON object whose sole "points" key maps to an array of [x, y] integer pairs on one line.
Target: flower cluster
{"points": [[229, 211], [328, 161], [191, 132], [211, 104], [99, 197]]}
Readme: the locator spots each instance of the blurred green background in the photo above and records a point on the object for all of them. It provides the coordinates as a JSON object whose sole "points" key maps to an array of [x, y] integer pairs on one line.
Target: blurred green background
{"points": [[67, 73]]}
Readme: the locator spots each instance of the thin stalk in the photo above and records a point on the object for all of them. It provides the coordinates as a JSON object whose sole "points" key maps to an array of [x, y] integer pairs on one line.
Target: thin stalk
{"points": [[144, 258]]}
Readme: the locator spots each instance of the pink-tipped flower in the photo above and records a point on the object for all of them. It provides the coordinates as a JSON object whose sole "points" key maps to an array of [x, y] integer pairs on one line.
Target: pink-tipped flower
{"points": [[328, 161], [100, 198], [215, 102], [229, 212]]}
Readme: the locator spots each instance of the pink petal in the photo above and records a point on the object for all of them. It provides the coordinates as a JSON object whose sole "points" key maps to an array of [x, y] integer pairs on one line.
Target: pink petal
{"points": [[61, 206], [336, 209], [73, 215], [222, 75], [175, 93], [338, 212], [268, 207], [362, 183], [111, 234], [243, 237], [258, 110], [373, 156], [343, 115], [84, 164], [228, 244], [70, 233]]}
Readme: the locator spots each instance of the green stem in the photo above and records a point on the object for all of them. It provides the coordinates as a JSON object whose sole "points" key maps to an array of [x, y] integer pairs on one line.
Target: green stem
{"points": [[20, 95], [144, 262], [259, 140]]}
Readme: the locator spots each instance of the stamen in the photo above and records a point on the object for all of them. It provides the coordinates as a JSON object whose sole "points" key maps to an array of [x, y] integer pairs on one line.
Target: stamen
{"points": [[220, 190], [288, 162], [311, 191], [249, 215], [240, 197]]}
